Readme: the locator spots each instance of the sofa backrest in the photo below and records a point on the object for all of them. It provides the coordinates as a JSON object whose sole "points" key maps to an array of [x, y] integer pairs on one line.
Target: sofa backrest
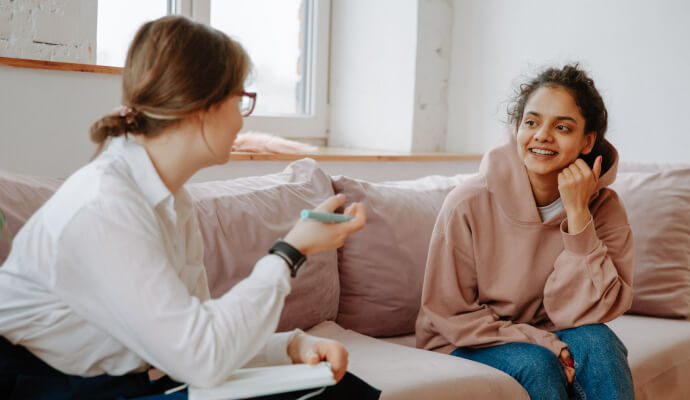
{"points": [[373, 284], [382, 267], [239, 220], [20, 197], [381, 271], [657, 201]]}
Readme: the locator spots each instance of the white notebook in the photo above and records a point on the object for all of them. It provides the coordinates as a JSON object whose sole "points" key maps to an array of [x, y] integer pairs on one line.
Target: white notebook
{"points": [[252, 382]]}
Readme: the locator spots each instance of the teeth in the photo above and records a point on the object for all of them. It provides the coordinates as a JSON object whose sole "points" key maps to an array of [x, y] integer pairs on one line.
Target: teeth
{"points": [[544, 152]]}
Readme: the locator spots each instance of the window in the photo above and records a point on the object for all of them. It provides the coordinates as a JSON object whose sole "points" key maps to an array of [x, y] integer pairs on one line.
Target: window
{"points": [[287, 41], [274, 45], [116, 24]]}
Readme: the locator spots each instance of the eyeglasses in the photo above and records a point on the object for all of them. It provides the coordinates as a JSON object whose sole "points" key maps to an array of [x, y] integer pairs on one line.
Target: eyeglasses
{"points": [[247, 103]]}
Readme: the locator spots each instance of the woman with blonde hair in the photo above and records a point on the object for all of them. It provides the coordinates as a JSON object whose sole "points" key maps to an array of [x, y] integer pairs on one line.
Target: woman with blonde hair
{"points": [[107, 278]]}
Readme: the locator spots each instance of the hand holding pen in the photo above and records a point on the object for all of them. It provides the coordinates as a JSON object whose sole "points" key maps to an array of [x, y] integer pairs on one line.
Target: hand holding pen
{"points": [[310, 235]]}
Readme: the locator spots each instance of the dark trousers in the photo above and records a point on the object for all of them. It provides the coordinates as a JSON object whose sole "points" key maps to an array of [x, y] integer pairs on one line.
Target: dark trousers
{"points": [[23, 376]]}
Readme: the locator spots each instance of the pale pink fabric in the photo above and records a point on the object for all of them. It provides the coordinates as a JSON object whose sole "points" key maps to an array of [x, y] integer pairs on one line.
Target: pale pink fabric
{"points": [[497, 274], [658, 353], [257, 142], [404, 373], [20, 197], [382, 267], [241, 218], [657, 198]]}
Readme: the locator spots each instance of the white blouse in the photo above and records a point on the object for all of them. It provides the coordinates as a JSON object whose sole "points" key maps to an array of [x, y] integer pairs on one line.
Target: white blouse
{"points": [[108, 277]]}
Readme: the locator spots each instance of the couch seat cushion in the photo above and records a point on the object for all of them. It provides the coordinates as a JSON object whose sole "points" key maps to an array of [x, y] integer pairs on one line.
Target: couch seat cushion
{"points": [[658, 353], [404, 373]]}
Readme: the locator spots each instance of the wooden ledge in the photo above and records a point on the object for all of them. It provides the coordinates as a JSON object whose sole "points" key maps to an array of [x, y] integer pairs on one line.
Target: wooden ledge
{"points": [[341, 154], [61, 66]]}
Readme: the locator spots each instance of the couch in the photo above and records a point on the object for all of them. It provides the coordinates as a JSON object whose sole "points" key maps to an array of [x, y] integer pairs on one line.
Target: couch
{"points": [[366, 294]]}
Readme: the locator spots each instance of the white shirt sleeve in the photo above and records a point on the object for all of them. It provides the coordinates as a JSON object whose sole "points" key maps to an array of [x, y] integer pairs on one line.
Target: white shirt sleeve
{"points": [[275, 351], [112, 270]]}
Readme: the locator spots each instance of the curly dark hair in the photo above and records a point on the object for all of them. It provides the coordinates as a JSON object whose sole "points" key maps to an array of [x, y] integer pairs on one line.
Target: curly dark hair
{"points": [[585, 94]]}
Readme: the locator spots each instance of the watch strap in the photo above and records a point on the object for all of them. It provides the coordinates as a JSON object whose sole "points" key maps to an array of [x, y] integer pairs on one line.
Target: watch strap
{"points": [[293, 257]]}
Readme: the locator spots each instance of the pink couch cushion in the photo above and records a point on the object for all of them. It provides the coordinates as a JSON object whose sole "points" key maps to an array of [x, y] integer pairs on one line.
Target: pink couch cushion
{"points": [[405, 373], [382, 267], [241, 218], [658, 353], [20, 197], [657, 200]]}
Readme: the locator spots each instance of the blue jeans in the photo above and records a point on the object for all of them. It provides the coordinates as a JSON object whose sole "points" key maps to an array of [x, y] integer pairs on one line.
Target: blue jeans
{"points": [[601, 366]]}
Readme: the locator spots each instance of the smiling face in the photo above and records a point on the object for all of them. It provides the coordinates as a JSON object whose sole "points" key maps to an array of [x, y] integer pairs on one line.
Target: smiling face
{"points": [[551, 134]]}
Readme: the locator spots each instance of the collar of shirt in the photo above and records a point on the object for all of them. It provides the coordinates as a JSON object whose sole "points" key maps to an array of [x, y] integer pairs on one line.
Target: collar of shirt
{"points": [[177, 207]]}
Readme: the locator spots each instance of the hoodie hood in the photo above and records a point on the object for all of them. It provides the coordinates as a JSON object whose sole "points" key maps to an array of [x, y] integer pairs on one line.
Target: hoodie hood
{"points": [[507, 179]]}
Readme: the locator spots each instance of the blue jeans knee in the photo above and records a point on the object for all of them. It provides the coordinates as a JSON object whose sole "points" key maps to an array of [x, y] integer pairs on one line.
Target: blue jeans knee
{"points": [[601, 364], [535, 367]]}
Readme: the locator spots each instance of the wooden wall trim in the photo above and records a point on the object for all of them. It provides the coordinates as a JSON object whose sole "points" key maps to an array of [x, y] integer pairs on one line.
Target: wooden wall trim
{"points": [[60, 66]]}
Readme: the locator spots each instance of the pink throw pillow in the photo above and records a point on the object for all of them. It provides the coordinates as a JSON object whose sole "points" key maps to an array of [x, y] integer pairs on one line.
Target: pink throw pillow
{"points": [[382, 266], [240, 219], [657, 201], [20, 197]]}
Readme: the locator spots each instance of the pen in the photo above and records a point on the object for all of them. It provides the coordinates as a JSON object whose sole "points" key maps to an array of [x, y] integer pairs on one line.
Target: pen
{"points": [[325, 216]]}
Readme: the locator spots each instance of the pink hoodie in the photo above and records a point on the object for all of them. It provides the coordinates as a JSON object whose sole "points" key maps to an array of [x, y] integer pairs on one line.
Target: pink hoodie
{"points": [[497, 274]]}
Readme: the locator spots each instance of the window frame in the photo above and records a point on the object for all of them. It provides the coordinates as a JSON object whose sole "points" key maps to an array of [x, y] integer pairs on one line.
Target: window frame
{"points": [[313, 125]]}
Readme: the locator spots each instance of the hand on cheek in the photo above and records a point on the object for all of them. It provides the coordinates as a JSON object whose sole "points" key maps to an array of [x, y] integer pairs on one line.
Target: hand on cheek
{"points": [[576, 184]]}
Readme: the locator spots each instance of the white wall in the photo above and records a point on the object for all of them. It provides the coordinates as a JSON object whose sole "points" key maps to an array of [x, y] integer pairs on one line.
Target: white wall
{"points": [[45, 117], [373, 52], [374, 171], [637, 51], [54, 30], [389, 73], [430, 115]]}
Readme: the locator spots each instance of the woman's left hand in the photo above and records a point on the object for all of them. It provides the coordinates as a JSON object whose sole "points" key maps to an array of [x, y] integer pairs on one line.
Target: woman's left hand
{"points": [[310, 349], [568, 365], [576, 184]]}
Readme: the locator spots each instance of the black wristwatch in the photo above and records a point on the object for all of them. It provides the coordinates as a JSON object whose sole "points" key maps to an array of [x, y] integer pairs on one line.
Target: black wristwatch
{"points": [[293, 257]]}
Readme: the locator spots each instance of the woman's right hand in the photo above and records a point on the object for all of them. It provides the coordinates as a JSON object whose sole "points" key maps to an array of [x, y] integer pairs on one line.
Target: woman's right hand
{"points": [[311, 237], [568, 365]]}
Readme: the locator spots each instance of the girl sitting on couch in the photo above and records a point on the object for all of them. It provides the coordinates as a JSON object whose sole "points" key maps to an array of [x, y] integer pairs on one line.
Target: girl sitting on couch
{"points": [[529, 258], [107, 278]]}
